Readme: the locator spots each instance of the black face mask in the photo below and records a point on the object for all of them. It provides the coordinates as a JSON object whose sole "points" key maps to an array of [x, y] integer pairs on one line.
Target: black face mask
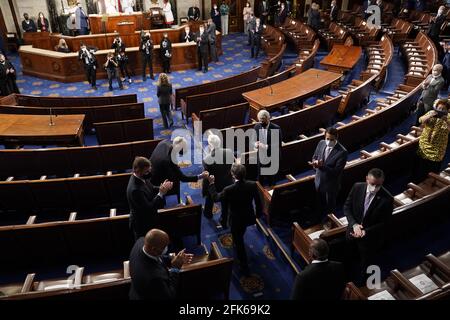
{"points": [[147, 176], [440, 113], [264, 125]]}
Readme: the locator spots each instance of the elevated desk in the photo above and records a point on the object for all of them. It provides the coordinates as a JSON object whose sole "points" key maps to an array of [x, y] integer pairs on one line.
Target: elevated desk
{"points": [[120, 22], [33, 129], [297, 88], [341, 58]]}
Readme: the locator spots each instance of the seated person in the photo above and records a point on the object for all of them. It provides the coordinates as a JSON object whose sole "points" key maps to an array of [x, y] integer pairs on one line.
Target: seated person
{"points": [[62, 46]]}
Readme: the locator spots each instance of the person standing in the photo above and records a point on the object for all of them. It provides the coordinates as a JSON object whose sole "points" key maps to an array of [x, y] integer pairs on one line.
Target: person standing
{"points": [[90, 65], [218, 163], [240, 197], [215, 15], [334, 11], [118, 45], [433, 140], [329, 160], [431, 87], [256, 34], [436, 25], [166, 52], [154, 275], [7, 77], [322, 280], [81, 20], [263, 11], [224, 15], [446, 64], [368, 209], [211, 30], [314, 16], [164, 94], [111, 66], [144, 199], [251, 26], [202, 49], [28, 25], [247, 14], [122, 60], [168, 15], [146, 49], [282, 14], [42, 23]]}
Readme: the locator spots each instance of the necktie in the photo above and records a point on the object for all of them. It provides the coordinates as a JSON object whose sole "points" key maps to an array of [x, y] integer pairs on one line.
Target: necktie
{"points": [[327, 152], [367, 200]]}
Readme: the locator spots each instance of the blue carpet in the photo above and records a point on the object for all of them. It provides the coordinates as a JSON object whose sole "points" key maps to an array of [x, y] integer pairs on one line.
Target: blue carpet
{"points": [[271, 278]]}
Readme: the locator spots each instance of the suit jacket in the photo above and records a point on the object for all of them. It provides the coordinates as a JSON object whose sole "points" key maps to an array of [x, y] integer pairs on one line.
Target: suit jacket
{"points": [[240, 197], [377, 216], [92, 61], [320, 281], [282, 15], [203, 44], [435, 27], [144, 49], [193, 13], [7, 81], [430, 94], [144, 203], [163, 93], [81, 19], [211, 30], [334, 13], [167, 49], [221, 171], [328, 177], [163, 168], [190, 36], [150, 279], [29, 27], [261, 8], [314, 18], [257, 33], [272, 126]]}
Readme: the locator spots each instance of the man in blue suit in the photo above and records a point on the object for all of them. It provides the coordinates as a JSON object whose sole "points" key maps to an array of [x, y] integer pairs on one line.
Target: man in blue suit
{"points": [[81, 20], [329, 161]]}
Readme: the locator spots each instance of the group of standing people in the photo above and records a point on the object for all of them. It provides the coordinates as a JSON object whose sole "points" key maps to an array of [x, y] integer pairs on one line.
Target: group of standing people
{"points": [[41, 25]]}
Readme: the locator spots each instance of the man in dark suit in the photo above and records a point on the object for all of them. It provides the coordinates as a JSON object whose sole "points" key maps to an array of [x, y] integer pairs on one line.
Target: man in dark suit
{"points": [[329, 160], [90, 63], [211, 31], [218, 163], [150, 277], [187, 35], [334, 11], [368, 209], [193, 13], [202, 49], [146, 48], [269, 150], [144, 199], [436, 25], [7, 77], [322, 279], [431, 88], [28, 25], [256, 32], [164, 168], [263, 10], [240, 197]]}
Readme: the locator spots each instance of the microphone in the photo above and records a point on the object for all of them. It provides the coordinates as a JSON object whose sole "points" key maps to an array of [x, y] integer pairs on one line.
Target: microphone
{"points": [[51, 123], [270, 86]]}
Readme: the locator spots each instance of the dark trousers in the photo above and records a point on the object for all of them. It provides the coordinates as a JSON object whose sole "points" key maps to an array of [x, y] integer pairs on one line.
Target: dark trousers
{"points": [[202, 60], [166, 115], [213, 52], [360, 253], [147, 60], [325, 203], [421, 110], [124, 70], [256, 45], [166, 65], [91, 75], [239, 247], [112, 73], [207, 211], [422, 167]]}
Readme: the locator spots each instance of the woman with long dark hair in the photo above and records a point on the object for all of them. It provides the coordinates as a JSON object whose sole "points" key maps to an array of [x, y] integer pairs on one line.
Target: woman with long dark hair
{"points": [[164, 93]]}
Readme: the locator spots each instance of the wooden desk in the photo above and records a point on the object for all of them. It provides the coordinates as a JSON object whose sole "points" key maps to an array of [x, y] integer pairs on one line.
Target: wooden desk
{"points": [[297, 88], [341, 58], [31, 129], [122, 23], [38, 40]]}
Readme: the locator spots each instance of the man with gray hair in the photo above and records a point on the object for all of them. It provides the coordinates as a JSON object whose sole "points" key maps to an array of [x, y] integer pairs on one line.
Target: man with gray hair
{"points": [[431, 87], [269, 151], [164, 166], [218, 163], [322, 279]]}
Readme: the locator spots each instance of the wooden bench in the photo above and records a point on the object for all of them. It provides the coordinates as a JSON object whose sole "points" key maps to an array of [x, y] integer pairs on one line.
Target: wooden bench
{"points": [[220, 118], [124, 131]]}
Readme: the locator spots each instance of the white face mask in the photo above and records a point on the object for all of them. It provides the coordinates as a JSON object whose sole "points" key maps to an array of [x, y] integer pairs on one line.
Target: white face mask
{"points": [[436, 73], [373, 189], [330, 143]]}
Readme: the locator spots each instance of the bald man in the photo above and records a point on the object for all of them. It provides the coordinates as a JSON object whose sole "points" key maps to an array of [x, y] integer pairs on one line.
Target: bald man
{"points": [[151, 279]]}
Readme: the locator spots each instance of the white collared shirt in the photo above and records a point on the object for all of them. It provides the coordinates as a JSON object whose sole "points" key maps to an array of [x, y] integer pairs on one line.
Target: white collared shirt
{"points": [[319, 261]]}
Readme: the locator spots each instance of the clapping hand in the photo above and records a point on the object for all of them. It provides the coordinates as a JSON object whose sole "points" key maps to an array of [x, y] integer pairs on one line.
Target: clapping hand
{"points": [[165, 186], [358, 231], [211, 179], [204, 174], [181, 258]]}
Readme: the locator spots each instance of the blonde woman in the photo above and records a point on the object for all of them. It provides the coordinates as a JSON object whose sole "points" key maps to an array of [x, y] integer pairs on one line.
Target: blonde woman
{"points": [[62, 46], [247, 13], [164, 93]]}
